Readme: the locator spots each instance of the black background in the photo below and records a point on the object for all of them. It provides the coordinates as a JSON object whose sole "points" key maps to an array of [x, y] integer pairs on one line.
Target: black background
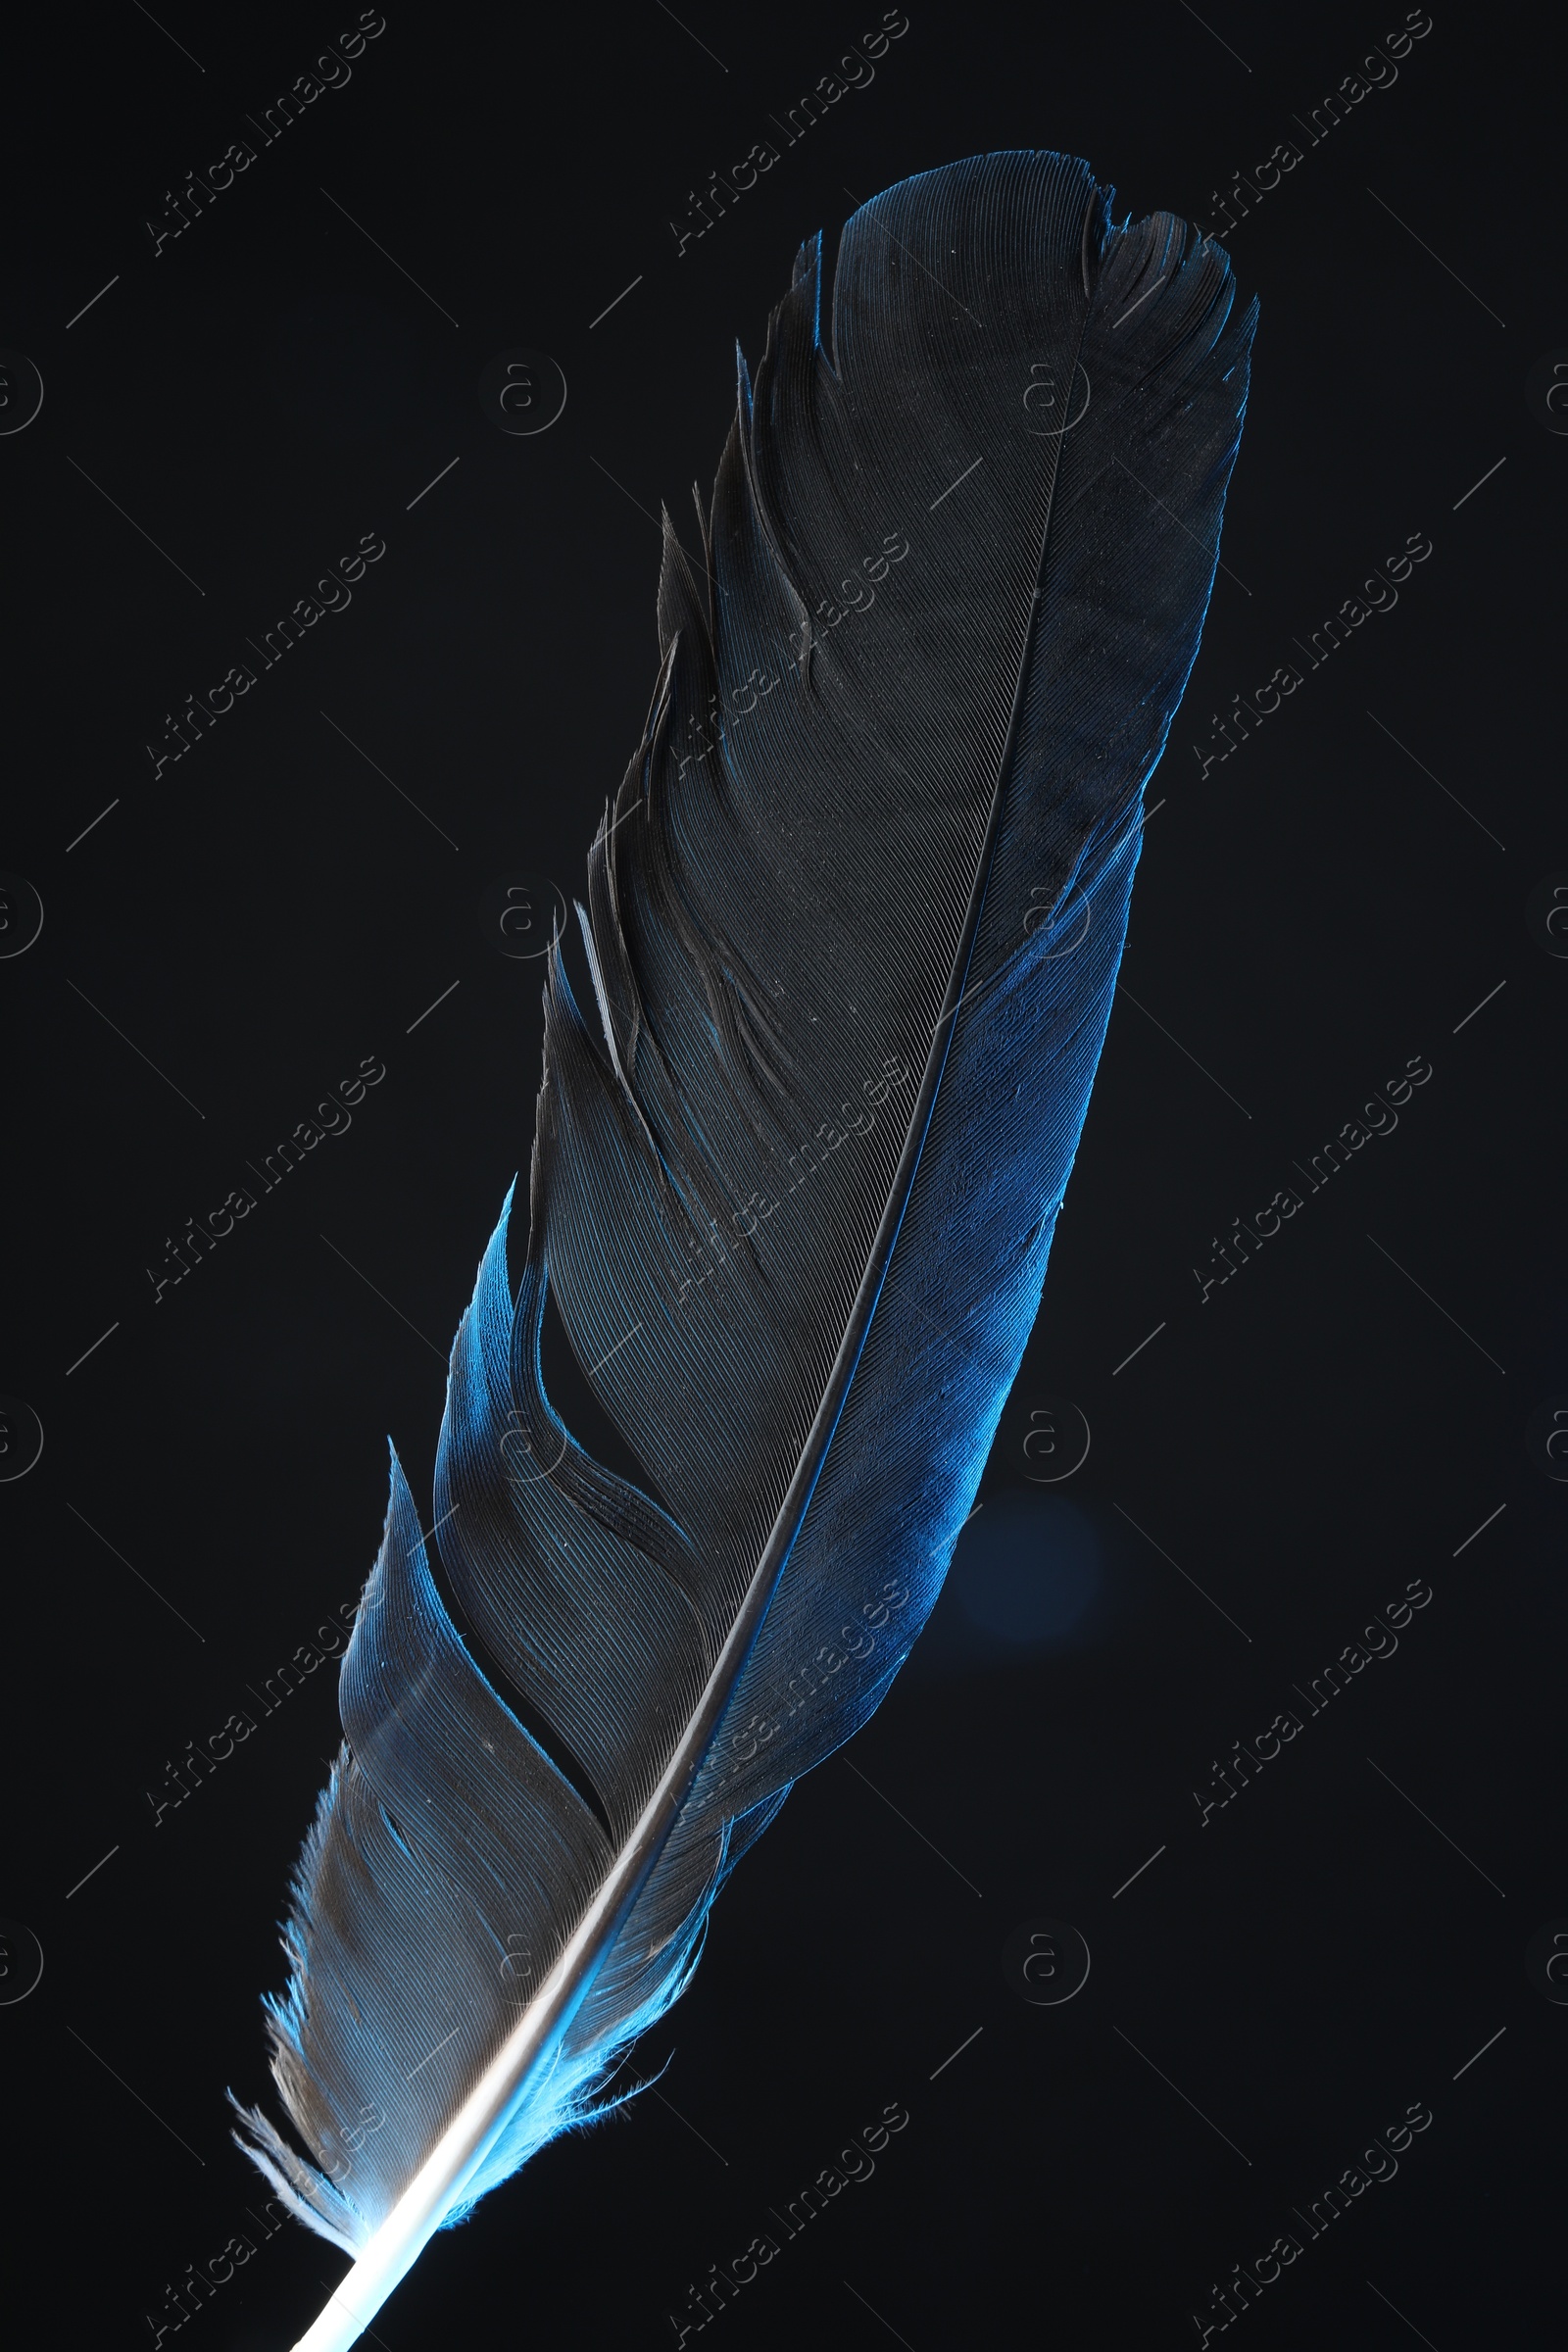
{"points": [[1310, 915]]}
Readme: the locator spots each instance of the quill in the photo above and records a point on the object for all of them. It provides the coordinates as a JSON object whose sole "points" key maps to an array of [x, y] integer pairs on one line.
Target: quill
{"points": [[852, 928]]}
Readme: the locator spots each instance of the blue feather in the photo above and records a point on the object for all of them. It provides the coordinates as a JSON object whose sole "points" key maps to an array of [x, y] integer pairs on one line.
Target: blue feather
{"points": [[852, 927]]}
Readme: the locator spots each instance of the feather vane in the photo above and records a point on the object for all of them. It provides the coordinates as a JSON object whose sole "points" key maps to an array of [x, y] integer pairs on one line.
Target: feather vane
{"points": [[852, 930]]}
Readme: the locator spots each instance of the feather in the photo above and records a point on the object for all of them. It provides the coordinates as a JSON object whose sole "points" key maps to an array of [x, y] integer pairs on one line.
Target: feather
{"points": [[852, 924]]}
